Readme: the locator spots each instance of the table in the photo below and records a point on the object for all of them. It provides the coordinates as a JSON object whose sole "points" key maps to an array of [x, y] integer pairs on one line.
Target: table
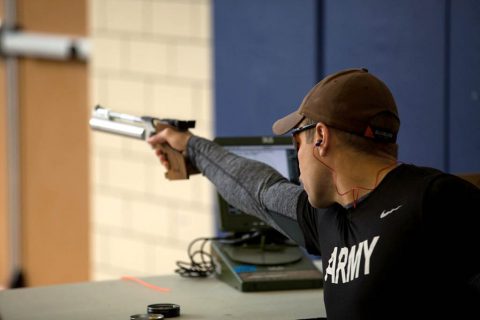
{"points": [[206, 298]]}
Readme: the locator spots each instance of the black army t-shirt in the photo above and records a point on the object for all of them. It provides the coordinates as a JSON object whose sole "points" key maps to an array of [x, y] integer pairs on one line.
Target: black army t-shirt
{"points": [[409, 250]]}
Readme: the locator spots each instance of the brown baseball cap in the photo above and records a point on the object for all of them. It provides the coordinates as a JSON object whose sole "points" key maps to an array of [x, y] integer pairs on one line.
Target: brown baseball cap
{"points": [[351, 100]]}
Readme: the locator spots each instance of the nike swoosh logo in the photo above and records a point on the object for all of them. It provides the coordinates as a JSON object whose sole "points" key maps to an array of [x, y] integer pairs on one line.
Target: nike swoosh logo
{"points": [[386, 213]]}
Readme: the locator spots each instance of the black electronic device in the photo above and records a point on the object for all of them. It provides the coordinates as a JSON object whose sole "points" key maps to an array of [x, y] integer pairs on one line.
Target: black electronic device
{"points": [[267, 261], [277, 152]]}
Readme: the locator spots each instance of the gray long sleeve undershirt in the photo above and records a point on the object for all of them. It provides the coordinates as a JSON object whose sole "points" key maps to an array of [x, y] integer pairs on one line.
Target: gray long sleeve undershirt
{"points": [[251, 186]]}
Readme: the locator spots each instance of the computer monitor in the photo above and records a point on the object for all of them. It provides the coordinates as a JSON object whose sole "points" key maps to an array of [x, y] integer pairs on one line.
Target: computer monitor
{"points": [[278, 152]]}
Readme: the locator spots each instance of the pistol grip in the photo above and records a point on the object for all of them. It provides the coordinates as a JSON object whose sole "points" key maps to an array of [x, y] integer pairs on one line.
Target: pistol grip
{"points": [[178, 166]]}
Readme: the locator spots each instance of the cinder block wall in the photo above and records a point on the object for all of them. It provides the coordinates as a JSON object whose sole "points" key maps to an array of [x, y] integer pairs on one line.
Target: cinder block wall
{"points": [[149, 57]]}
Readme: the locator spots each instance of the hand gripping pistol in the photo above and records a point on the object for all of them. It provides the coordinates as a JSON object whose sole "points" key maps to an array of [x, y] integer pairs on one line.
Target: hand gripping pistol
{"points": [[142, 128]]}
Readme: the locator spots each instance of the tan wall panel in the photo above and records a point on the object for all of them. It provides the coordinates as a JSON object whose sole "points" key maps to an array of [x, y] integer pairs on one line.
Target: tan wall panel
{"points": [[56, 16], [473, 178], [54, 148]]}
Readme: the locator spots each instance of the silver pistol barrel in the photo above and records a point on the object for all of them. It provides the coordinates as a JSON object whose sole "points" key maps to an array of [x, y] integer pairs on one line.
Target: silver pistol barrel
{"points": [[117, 123], [117, 128], [141, 128]]}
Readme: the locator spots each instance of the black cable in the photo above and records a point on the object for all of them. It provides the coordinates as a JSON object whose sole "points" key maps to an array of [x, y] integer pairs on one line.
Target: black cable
{"points": [[201, 264]]}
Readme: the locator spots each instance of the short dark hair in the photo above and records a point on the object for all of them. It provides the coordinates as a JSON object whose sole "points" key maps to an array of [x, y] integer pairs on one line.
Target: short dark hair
{"points": [[357, 142]]}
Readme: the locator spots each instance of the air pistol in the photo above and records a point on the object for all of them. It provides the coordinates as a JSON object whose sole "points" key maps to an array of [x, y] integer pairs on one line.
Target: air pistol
{"points": [[142, 128]]}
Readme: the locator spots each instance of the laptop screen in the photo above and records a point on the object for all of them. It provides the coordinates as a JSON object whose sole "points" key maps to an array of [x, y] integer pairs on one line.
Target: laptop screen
{"points": [[277, 152]]}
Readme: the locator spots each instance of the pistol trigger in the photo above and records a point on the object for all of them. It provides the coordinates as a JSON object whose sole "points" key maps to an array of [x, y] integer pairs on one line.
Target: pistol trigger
{"points": [[150, 127]]}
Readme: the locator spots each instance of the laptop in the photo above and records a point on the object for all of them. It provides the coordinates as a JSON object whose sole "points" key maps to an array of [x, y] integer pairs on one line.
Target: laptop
{"points": [[268, 261]]}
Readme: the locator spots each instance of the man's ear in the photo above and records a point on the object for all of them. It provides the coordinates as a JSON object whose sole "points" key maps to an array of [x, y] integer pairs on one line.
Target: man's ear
{"points": [[322, 138]]}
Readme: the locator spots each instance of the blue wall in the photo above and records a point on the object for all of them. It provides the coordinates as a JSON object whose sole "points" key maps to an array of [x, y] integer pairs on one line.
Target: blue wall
{"points": [[403, 43], [268, 54], [265, 61], [464, 84]]}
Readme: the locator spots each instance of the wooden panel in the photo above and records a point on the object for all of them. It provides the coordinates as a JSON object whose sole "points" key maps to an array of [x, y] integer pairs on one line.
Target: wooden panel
{"points": [[473, 178], [54, 151], [54, 166], [56, 16]]}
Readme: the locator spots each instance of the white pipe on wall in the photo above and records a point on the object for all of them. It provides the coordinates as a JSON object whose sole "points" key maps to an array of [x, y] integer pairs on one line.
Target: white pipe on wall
{"points": [[43, 45]]}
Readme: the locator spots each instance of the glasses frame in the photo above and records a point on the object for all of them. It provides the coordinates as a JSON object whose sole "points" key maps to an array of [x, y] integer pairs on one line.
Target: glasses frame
{"points": [[296, 131]]}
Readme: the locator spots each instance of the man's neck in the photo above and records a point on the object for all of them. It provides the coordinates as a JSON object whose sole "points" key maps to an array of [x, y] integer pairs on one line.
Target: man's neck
{"points": [[357, 175]]}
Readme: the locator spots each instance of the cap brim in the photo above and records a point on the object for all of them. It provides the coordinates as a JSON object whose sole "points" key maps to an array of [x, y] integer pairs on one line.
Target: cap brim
{"points": [[287, 123]]}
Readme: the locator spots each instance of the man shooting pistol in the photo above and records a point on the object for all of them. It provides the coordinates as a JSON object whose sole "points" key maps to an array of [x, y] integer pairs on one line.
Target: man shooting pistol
{"points": [[143, 128]]}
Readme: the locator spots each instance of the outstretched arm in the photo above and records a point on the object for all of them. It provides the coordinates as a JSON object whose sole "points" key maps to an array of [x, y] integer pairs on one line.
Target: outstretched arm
{"points": [[249, 185]]}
